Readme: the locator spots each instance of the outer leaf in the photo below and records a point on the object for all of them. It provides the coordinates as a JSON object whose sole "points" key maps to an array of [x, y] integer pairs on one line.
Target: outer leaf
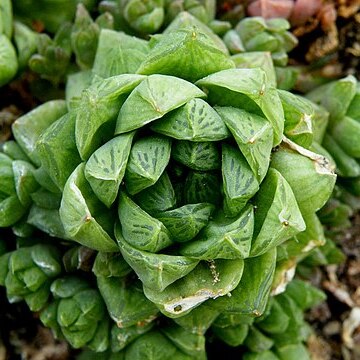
{"points": [[195, 121], [299, 117], [206, 281], [8, 60], [186, 20], [106, 167], [147, 161], [118, 53], [6, 176], [12, 149], [232, 335], [110, 265], [47, 220], [223, 238], [59, 135], [97, 111], [29, 127], [346, 165], [249, 89], [199, 320], [133, 308], [257, 341], [335, 97], [254, 59], [191, 344], [150, 346], [156, 271], [152, 99], [251, 295], [121, 337], [186, 53], [276, 322], [278, 216], [254, 136], [75, 213], [312, 180], [140, 229], [11, 211], [184, 223], [240, 184], [346, 132]]}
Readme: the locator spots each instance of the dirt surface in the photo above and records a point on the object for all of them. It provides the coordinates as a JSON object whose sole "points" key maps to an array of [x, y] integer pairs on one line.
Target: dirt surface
{"points": [[337, 321]]}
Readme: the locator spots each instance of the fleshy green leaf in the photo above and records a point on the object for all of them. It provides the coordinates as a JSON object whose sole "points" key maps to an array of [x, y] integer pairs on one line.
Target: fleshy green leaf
{"points": [[97, 111], [154, 98], [76, 215], [139, 228], [187, 53], [133, 307], [158, 197], [184, 223], [248, 89], [251, 295], [312, 179], [195, 121], [239, 181], [118, 53], [208, 280], [254, 136], [30, 126], [59, 135], [148, 159], [105, 168], [157, 271], [225, 238], [197, 155], [25, 182], [277, 216]]}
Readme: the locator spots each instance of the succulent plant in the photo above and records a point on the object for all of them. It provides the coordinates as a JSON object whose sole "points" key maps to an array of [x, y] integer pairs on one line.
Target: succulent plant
{"points": [[27, 273], [17, 43], [178, 169], [144, 17], [254, 39]]}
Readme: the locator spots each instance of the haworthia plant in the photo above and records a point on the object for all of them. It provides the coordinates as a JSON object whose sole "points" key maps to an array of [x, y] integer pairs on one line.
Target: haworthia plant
{"points": [[193, 178]]}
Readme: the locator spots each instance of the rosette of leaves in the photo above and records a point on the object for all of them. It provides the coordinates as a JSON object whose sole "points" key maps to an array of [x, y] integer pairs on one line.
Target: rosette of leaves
{"points": [[279, 333], [166, 156], [255, 39], [53, 60], [28, 272], [77, 313], [148, 17]]}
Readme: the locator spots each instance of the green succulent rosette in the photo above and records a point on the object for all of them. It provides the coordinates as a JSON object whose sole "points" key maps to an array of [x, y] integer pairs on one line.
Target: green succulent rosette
{"points": [[78, 314], [280, 333], [341, 98], [183, 164], [256, 41], [27, 273], [149, 17]]}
